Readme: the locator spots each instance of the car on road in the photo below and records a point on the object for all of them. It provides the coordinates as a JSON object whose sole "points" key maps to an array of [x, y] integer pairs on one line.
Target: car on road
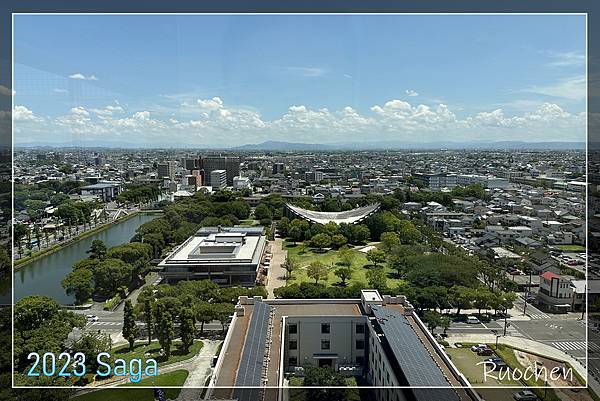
{"points": [[525, 395], [472, 320], [92, 318]]}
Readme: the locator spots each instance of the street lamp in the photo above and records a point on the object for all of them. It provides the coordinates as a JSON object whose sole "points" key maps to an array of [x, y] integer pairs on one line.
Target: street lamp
{"points": [[495, 332]]}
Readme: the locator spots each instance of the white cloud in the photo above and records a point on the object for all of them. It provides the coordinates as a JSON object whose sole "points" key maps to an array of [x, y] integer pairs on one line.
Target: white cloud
{"points": [[80, 111], [573, 88], [308, 72], [212, 121], [22, 113], [567, 59], [410, 92], [82, 77], [60, 90]]}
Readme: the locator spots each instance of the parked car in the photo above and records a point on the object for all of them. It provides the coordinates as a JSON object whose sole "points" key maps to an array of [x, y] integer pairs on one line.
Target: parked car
{"points": [[472, 320], [525, 395], [499, 364], [485, 351], [476, 348]]}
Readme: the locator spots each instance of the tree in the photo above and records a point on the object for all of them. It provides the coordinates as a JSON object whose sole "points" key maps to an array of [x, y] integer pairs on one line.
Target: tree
{"points": [[344, 273], [376, 256], [165, 331], [321, 241], [317, 271], [283, 226], [338, 241], [130, 329], [110, 274], [389, 240], [188, 328], [315, 381], [432, 319], [262, 212], [346, 256], [295, 233], [460, 297], [97, 249], [289, 265], [482, 298], [445, 323], [79, 282], [146, 301], [409, 234], [222, 313], [204, 314], [377, 279], [398, 263]]}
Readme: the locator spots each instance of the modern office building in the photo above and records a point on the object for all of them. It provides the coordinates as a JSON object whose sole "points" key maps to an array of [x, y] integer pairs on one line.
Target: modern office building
{"points": [[167, 169], [375, 338], [104, 190], [314, 176], [218, 179], [490, 182], [278, 168], [241, 183], [437, 181], [230, 164], [227, 256]]}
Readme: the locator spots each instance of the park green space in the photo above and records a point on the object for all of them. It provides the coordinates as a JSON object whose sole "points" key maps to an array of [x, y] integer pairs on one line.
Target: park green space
{"points": [[143, 350], [175, 378], [304, 256]]}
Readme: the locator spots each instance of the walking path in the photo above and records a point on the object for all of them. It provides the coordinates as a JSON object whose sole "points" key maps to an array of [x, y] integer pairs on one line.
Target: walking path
{"points": [[276, 275], [200, 370]]}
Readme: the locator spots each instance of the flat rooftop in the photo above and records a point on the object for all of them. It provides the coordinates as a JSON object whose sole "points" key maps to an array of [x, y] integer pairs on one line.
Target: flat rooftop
{"points": [[240, 335]]}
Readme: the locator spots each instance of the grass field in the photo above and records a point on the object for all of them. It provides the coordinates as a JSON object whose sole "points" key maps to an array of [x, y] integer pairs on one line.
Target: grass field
{"points": [[571, 248], [360, 265], [153, 349], [175, 378], [466, 361]]}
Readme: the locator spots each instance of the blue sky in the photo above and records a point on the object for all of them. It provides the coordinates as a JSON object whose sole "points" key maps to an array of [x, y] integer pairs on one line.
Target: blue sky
{"points": [[230, 79]]}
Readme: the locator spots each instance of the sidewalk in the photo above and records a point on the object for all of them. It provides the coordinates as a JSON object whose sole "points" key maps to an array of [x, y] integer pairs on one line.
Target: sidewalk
{"points": [[276, 272]]}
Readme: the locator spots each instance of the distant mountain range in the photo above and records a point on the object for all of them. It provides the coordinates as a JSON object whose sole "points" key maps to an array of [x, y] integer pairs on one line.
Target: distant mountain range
{"points": [[357, 146], [295, 146]]}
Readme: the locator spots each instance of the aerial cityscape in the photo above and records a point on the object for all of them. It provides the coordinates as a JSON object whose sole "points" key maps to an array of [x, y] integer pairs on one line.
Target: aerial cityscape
{"points": [[318, 223]]}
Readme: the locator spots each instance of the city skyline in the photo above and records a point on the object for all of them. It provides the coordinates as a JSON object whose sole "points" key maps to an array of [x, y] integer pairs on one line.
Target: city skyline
{"points": [[223, 81]]}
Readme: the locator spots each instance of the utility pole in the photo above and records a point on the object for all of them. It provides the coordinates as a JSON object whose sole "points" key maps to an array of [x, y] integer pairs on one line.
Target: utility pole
{"points": [[527, 293]]}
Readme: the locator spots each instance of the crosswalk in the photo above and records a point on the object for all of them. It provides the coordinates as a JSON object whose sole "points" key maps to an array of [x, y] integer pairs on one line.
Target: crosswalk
{"points": [[575, 345], [538, 315], [105, 323]]}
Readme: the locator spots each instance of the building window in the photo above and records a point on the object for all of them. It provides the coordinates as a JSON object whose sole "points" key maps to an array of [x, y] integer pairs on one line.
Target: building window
{"points": [[292, 361], [360, 360], [360, 344], [325, 328], [360, 328], [293, 328], [293, 344], [325, 344]]}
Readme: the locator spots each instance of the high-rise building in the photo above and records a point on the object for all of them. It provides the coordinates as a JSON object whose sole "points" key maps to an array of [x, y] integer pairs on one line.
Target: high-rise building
{"points": [[192, 164], [167, 169], [278, 168], [218, 179], [230, 164], [314, 176]]}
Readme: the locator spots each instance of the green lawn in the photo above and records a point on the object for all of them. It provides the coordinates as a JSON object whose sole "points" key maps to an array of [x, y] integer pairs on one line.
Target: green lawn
{"points": [[175, 378], [571, 248], [466, 362], [153, 349], [304, 256]]}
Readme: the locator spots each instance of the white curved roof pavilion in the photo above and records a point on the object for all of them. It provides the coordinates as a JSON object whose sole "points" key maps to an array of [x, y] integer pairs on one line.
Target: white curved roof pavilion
{"points": [[353, 216]]}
